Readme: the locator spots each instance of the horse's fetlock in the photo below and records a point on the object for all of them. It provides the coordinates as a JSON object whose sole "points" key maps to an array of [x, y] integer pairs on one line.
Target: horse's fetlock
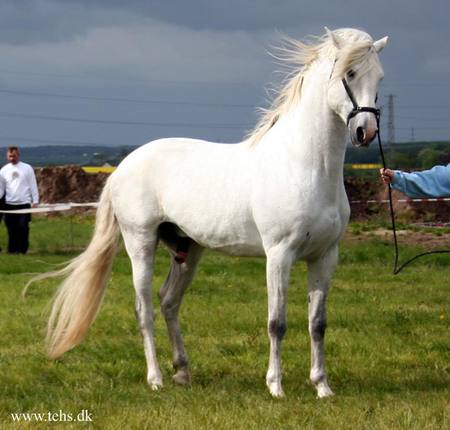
{"points": [[180, 363], [317, 376]]}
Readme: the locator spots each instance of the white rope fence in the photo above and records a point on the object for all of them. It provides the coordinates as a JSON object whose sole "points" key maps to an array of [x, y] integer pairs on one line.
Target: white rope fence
{"points": [[44, 208], [439, 199], [60, 207]]}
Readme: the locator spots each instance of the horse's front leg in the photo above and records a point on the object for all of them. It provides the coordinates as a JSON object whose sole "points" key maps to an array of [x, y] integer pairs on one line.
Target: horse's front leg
{"points": [[279, 263], [320, 272]]}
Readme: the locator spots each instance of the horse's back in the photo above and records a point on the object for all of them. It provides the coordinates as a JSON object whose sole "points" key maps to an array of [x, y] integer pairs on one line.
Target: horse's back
{"points": [[183, 163]]}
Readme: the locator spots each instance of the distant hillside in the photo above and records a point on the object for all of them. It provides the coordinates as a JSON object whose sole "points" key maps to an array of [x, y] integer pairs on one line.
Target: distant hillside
{"points": [[40, 156], [416, 155]]}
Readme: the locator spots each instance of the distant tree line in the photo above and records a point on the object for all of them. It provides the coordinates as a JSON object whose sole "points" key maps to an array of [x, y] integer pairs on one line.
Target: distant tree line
{"points": [[59, 155], [405, 156]]}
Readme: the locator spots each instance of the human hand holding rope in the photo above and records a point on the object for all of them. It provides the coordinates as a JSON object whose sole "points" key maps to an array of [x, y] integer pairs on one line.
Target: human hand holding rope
{"points": [[387, 175]]}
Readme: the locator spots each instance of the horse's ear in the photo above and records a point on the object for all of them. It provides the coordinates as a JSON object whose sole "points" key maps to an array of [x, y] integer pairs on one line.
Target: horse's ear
{"points": [[380, 44], [334, 38]]}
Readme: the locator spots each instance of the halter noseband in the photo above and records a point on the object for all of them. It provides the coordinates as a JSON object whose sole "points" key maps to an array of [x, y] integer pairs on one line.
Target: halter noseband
{"points": [[358, 109]]}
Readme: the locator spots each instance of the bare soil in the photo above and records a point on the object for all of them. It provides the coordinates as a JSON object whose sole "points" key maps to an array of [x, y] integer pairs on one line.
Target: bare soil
{"points": [[426, 240]]}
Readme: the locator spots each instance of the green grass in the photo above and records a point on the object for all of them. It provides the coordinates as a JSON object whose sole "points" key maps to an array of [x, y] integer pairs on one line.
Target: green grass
{"points": [[387, 346]]}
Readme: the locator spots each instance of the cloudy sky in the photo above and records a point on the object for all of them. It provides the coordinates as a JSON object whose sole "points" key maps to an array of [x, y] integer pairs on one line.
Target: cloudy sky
{"points": [[124, 72]]}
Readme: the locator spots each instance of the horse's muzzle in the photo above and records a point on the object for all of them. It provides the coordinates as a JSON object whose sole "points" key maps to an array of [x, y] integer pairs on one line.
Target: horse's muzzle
{"points": [[363, 129]]}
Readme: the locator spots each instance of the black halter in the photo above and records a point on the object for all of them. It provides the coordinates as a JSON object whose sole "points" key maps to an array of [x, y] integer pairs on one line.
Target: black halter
{"points": [[358, 109]]}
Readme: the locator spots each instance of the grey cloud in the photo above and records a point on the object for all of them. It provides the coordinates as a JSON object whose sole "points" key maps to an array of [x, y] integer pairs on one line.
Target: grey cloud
{"points": [[257, 15], [149, 50], [34, 21], [214, 42]]}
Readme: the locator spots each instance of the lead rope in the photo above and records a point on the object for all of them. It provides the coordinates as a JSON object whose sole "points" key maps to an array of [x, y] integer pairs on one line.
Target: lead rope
{"points": [[398, 269]]}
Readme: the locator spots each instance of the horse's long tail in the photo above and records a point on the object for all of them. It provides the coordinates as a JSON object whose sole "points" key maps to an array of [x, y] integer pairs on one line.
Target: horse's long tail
{"points": [[79, 297]]}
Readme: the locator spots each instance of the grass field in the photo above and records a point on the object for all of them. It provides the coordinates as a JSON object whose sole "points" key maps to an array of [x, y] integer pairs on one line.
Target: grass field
{"points": [[387, 345]]}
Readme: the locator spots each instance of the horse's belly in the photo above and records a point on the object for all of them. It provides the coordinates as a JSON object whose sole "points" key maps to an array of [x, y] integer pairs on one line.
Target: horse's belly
{"points": [[235, 234], [243, 249]]}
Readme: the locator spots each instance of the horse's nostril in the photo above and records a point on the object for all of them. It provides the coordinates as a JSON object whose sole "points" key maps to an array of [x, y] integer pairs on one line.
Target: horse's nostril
{"points": [[360, 135]]}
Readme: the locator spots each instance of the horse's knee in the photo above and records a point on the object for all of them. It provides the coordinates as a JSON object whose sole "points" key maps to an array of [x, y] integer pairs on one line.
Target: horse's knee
{"points": [[168, 307], [277, 328], [317, 329]]}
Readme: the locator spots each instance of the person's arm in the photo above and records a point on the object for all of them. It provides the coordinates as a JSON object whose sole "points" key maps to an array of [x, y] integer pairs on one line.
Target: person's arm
{"points": [[2, 186], [428, 183], [33, 188]]}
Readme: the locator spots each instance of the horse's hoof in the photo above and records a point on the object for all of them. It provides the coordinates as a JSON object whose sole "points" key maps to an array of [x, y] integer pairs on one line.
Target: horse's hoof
{"points": [[275, 390], [323, 390], [156, 386], [182, 378], [155, 382]]}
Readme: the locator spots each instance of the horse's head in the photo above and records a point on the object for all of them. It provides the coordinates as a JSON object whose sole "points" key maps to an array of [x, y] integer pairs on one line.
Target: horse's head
{"points": [[354, 80]]}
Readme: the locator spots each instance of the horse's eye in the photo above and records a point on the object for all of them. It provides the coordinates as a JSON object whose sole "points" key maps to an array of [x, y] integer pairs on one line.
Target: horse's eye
{"points": [[376, 98], [351, 74]]}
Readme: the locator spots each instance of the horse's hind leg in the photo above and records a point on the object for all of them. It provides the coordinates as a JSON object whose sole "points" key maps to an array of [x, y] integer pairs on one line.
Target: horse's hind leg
{"points": [[319, 277], [171, 295], [141, 248]]}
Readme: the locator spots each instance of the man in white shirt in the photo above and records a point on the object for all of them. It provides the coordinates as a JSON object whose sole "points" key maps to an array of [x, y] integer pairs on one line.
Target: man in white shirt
{"points": [[21, 192], [2, 197]]}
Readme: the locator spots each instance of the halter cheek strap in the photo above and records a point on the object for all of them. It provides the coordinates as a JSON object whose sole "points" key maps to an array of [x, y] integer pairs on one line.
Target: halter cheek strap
{"points": [[358, 109]]}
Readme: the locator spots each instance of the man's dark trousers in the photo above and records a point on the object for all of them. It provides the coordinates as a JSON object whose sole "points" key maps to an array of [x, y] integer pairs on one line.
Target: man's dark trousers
{"points": [[18, 229]]}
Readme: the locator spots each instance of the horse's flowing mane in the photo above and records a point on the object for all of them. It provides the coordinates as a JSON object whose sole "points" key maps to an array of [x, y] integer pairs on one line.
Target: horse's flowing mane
{"points": [[355, 46]]}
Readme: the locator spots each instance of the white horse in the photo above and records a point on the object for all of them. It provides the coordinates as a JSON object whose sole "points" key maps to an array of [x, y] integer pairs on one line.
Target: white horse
{"points": [[278, 194]]}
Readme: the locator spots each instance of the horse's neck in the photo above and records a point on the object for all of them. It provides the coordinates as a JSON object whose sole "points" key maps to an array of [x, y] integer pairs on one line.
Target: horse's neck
{"points": [[318, 136]]}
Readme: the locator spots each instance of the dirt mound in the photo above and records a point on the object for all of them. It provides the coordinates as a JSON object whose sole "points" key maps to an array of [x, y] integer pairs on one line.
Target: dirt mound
{"points": [[359, 191], [69, 184], [417, 211]]}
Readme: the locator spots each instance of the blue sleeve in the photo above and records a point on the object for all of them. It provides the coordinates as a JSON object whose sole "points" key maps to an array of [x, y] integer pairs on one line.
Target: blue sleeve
{"points": [[428, 183]]}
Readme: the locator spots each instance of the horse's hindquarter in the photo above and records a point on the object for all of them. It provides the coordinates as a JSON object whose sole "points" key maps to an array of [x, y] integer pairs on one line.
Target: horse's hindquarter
{"points": [[200, 186]]}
